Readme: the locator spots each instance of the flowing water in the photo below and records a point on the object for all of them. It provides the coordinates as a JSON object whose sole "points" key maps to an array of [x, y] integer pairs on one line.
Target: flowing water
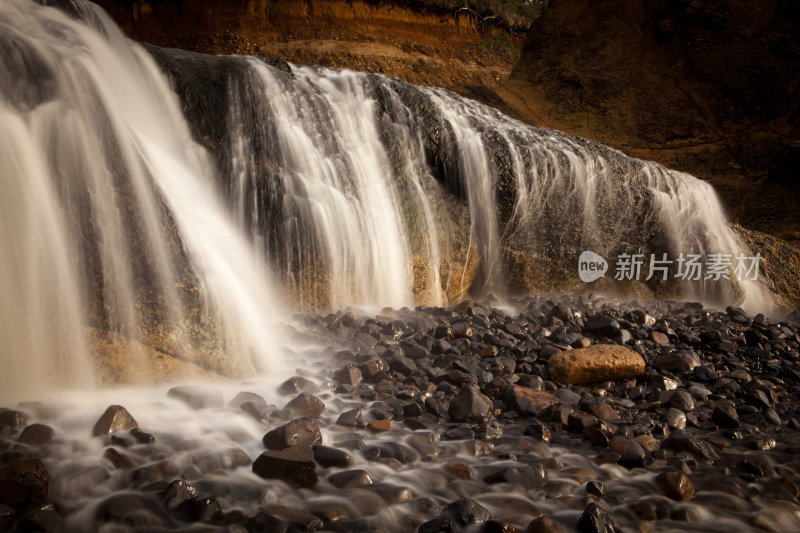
{"points": [[156, 196]]}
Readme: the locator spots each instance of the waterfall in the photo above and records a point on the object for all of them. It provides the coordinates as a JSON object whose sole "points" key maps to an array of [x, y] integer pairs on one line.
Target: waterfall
{"points": [[152, 196], [109, 222], [365, 190]]}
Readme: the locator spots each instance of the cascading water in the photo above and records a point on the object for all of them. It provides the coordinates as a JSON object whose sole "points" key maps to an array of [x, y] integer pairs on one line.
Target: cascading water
{"points": [[349, 180], [109, 223]]}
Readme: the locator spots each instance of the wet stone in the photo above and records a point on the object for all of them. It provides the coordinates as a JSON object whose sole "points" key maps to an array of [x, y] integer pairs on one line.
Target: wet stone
{"points": [[495, 526], [266, 523], [675, 485], [349, 375], [467, 512], [296, 519], [675, 418], [328, 457], [176, 493], [302, 431], [594, 487], [538, 431], [595, 519], [23, 481], [114, 418], [295, 465], [438, 525], [391, 494], [36, 435], [197, 397], [725, 417], [531, 476], [120, 461], [678, 361], [12, 418], [351, 418], [297, 384], [543, 524], [350, 479], [459, 470], [252, 397], [305, 405], [682, 400], [41, 521], [379, 426], [470, 405]]}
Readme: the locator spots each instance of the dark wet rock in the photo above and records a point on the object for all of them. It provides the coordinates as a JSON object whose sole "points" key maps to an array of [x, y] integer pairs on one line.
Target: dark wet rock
{"points": [[142, 437], [303, 431], [391, 494], [41, 521], [531, 476], [594, 487], [259, 413], [379, 426], [391, 450], [697, 447], [176, 493], [470, 405], [496, 526], [12, 418], [306, 405], [599, 362], [676, 419], [678, 361], [459, 470], [197, 397], [644, 510], [402, 364], [595, 519], [297, 384], [350, 479], [351, 418], [297, 519], [266, 523], [114, 419], [528, 402], [489, 430], [602, 326], [675, 485], [543, 524], [438, 525], [328, 457], [295, 465], [36, 435], [682, 400], [133, 509], [725, 417], [23, 481], [242, 397], [467, 512], [538, 431], [349, 375], [119, 460], [579, 421], [373, 370]]}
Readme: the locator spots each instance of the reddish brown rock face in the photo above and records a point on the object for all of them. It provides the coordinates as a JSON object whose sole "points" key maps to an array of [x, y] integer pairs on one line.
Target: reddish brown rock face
{"points": [[705, 87], [600, 362]]}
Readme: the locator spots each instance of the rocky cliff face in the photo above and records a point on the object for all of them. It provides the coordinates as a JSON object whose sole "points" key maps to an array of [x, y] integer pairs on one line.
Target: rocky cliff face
{"points": [[707, 87], [427, 42]]}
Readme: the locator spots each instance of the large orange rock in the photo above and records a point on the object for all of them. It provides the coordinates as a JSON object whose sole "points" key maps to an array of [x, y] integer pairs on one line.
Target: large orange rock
{"points": [[599, 362]]}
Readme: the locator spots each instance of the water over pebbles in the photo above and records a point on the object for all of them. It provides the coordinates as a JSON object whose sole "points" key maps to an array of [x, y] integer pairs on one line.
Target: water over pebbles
{"points": [[437, 420]]}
